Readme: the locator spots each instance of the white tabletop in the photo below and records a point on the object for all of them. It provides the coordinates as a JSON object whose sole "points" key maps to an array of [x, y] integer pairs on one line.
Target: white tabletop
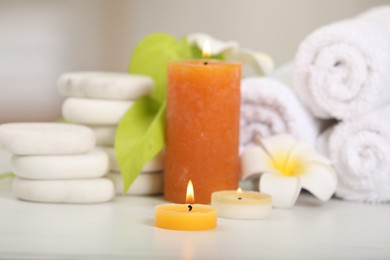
{"points": [[124, 229]]}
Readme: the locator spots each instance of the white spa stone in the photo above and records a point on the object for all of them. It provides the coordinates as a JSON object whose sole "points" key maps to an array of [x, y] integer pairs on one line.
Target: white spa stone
{"points": [[46, 138], [105, 135], [64, 191], [147, 183], [94, 111], [156, 164], [93, 164], [104, 85]]}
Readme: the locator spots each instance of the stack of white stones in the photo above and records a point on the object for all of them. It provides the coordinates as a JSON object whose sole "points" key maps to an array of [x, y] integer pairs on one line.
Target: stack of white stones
{"points": [[56, 163], [99, 100]]}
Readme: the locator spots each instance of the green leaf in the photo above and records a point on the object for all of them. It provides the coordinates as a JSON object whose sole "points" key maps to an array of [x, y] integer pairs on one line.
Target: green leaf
{"points": [[151, 56], [139, 137], [140, 134], [6, 175]]}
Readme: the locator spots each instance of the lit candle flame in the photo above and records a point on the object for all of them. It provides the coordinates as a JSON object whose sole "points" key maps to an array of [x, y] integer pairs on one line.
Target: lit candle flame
{"points": [[239, 193], [190, 198], [206, 49]]}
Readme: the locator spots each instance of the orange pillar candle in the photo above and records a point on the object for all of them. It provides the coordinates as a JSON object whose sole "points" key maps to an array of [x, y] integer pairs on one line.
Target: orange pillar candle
{"points": [[202, 137]]}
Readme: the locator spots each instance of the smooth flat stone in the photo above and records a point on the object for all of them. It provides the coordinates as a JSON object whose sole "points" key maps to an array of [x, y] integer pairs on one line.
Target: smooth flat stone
{"points": [[105, 135], [147, 183], [93, 164], [154, 165], [94, 111], [104, 85], [5, 161], [46, 138], [64, 191]]}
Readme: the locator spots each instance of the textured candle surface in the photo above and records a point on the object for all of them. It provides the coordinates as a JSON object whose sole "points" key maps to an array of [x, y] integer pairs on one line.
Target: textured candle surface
{"points": [[203, 108]]}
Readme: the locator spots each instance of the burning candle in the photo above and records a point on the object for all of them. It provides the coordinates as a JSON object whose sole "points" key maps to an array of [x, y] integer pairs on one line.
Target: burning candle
{"points": [[242, 204], [202, 137], [186, 216]]}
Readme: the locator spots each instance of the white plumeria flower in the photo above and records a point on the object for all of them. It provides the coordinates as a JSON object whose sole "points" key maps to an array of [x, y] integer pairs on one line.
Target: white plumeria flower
{"points": [[262, 63], [286, 165], [218, 47]]}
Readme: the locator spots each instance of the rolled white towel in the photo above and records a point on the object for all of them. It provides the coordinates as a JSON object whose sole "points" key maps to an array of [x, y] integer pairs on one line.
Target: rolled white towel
{"points": [[359, 150], [269, 107], [342, 69]]}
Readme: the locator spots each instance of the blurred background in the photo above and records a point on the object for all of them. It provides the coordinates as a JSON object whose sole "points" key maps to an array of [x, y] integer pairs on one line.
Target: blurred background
{"points": [[41, 39]]}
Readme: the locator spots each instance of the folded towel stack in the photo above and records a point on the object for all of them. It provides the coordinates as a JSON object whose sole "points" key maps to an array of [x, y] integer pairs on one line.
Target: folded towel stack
{"points": [[359, 149], [342, 69], [99, 100], [342, 72], [269, 107], [56, 163]]}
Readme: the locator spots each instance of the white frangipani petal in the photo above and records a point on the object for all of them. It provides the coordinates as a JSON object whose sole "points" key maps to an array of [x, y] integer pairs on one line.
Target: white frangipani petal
{"points": [[285, 166], [308, 153], [277, 145], [261, 62], [284, 190], [254, 161], [320, 180], [217, 46]]}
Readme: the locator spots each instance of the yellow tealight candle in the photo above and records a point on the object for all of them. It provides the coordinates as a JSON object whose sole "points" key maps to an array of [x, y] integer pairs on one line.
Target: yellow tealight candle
{"points": [[242, 204], [186, 216]]}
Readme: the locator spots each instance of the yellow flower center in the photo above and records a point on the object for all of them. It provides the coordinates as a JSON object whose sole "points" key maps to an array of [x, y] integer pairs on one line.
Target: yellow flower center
{"points": [[288, 165]]}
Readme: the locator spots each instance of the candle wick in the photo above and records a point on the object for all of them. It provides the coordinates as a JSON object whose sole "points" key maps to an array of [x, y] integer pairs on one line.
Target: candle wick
{"points": [[239, 198], [189, 207]]}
